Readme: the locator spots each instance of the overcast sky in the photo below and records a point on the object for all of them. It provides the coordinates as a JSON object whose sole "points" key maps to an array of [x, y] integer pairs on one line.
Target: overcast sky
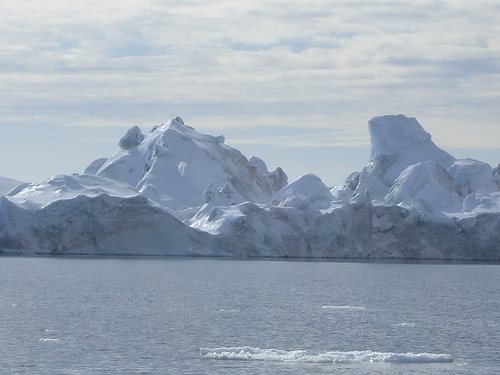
{"points": [[293, 82]]}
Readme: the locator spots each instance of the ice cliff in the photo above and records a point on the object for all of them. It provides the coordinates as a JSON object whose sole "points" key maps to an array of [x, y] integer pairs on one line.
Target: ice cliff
{"points": [[175, 191]]}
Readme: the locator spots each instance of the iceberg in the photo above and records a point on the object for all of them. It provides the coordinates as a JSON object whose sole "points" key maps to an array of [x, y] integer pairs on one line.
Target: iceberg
{"points": [[176, 191]]}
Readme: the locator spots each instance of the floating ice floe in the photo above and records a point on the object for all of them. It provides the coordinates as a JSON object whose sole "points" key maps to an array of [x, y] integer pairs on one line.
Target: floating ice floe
{"points": [[342, 307], [247, 353]]}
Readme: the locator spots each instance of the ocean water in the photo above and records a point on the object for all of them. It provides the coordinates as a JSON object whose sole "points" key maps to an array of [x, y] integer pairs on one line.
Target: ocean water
{"points": [[214, 316]]}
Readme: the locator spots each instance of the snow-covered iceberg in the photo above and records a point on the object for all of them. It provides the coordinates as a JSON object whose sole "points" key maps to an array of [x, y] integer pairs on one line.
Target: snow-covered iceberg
{"points": [[175, 191], [426, 204]]}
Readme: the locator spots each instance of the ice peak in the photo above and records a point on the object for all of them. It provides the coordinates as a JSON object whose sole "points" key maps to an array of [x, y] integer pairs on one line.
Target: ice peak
{"points": [[173, 165], [398, 142], [179, 120], [392, 134], [177, 123]]}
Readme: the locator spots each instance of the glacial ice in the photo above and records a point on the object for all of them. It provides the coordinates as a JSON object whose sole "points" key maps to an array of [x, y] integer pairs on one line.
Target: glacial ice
{"points": [[307, 191], [95, 166], [175, 191], [473, 176]]}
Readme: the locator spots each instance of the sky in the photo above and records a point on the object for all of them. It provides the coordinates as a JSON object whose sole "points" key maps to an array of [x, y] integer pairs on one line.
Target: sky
{"points": [[292, 82]]}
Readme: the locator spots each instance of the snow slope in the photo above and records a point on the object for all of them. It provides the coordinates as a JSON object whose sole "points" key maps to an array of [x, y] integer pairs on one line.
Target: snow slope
{"points": [[175, 191], [173, 165]]}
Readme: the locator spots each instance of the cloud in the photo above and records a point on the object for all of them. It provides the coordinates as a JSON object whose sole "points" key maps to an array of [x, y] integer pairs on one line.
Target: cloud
{"points": [[342, 62]]}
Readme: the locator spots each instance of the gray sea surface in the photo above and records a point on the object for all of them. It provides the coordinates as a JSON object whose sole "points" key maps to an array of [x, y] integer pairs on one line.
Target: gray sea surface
{"points": [[216, 316]]}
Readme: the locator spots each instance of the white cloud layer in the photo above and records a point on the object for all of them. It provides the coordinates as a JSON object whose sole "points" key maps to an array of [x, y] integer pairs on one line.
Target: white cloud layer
{"points": [[328, 65]]}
